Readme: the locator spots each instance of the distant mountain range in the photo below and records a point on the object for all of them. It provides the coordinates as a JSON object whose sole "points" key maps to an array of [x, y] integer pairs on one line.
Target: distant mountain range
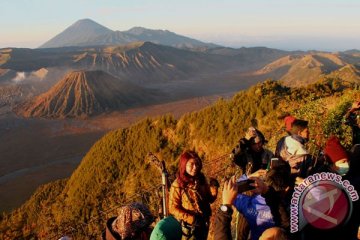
{"points": [[138, 62], [87, 32], [303, 69], [194, 69]]}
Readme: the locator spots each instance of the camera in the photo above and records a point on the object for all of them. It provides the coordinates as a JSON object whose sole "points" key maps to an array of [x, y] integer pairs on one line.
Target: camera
{"points": [[244, 185]]}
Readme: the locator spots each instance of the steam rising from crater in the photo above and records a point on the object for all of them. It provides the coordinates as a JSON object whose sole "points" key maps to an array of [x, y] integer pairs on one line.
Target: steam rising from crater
{"points": [[20, 76]]}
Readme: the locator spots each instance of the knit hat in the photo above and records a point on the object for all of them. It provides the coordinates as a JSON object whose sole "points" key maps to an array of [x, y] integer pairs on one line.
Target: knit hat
{"points": [[132, 219], [288, 122], [334, 150]]}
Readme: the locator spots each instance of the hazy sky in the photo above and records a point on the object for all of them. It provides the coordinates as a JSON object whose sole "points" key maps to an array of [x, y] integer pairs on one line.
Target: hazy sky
{"points": [[285, 24]]}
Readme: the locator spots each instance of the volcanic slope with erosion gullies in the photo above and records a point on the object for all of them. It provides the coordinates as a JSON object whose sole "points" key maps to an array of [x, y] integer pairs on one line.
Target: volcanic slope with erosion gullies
{"points": [[144, 62], [85, 93]]}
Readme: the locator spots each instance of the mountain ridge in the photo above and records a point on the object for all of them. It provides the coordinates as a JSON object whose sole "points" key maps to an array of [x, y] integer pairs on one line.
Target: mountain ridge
{"points": [[302, 69], [137, 61]]}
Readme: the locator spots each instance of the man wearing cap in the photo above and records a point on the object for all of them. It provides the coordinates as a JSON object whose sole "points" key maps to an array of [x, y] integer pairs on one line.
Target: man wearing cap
{"points": [[250, 155]]}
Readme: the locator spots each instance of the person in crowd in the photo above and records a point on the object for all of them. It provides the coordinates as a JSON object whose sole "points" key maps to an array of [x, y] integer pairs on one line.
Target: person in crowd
{"points": [[351, 228], [264, 221], [336, 153], [167, 229], [277, 188], [133, 222], [250, 154], [353, 176], [352, 119], [348, 229], [292, 149], [274, 233], [190, 197], [265, 208], [277, 191], [354, 163], [288, 121], [224, 214], [333, 158]]}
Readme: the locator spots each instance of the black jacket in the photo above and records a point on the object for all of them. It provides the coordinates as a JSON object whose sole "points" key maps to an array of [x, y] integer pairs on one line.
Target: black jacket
{"points": [[223, 225]]}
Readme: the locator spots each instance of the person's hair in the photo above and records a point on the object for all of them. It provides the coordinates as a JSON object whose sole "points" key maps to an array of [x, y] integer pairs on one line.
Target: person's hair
{"points": [[275, 233], [279, 177], [261, 136], [299, 125], [183, 177], [281, 234]]}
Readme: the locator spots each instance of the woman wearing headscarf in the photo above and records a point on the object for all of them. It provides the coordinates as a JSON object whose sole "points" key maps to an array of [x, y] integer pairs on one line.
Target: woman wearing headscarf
{"points": [[190, 197], [132, 223]]}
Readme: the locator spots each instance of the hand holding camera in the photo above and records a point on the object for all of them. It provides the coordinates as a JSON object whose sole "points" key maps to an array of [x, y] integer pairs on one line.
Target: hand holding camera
{"points": [[245, 185], [259, 186], [229, 191], [258, 174], [255, 184]]}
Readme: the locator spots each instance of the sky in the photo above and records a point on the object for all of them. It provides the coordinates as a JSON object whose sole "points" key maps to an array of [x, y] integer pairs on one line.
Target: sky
{"points": [[330, 25]]}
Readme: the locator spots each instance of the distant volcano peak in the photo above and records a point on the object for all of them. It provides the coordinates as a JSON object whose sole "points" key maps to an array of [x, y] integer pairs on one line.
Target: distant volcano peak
{"points": [[86, 32]]}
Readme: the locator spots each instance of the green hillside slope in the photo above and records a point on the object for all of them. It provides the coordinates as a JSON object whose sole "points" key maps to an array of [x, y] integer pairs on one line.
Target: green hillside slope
{"points": [[114, 171]]}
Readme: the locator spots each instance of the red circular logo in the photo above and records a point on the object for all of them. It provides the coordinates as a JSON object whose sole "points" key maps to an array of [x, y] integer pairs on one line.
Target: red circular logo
{"points": [[325, 205]]}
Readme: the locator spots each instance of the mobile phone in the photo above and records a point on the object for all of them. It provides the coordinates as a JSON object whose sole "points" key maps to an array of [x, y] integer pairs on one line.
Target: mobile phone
{"points": [[274, 162], [244, 185]]}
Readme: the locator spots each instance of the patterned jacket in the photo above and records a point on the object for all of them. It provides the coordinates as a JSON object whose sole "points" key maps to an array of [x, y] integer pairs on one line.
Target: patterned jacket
{"points": [[194, 200]]}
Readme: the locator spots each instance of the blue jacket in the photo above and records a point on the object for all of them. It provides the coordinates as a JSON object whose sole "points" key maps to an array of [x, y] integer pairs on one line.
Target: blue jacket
{"points": [[256, 212]]}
